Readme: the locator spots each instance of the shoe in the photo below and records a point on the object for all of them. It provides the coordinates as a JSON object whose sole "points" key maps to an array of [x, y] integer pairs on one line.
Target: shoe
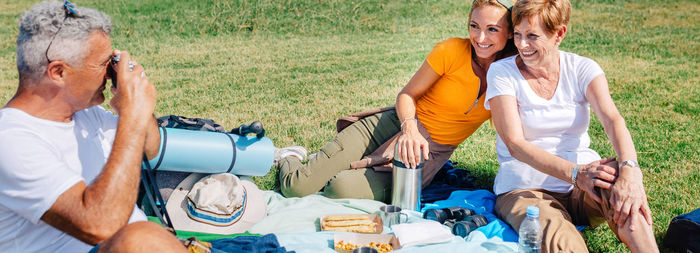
{"points": [[298, 152], [313, 156]]}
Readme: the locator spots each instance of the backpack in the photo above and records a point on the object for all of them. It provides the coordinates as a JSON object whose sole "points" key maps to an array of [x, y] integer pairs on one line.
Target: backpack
{"points": [[181, 122], [683, 233]]}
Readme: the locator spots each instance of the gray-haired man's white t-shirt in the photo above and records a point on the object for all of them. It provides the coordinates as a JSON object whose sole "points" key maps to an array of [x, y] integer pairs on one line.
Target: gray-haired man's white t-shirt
{"points": [[558, 125], [39, 161]]}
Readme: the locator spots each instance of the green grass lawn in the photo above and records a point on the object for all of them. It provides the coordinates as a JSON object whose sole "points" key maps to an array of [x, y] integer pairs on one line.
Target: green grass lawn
{"points": [[297, 65]]}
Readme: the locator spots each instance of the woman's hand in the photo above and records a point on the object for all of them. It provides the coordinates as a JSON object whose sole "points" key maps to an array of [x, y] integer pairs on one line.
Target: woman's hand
{"points": [[627, 194], [597, 174], [411, 141], [628, 199], [410, 144]]}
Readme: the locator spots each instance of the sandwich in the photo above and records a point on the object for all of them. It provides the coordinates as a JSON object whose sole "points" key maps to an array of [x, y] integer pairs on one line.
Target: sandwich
{"points": [[359, 223]]}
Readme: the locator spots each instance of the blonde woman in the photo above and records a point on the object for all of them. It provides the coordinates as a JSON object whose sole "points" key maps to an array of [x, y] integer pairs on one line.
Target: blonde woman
{"points": [[437, 110]]}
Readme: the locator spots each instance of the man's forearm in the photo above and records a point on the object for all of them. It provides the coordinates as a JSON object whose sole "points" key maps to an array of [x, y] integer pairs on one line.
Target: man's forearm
{"points": [[152, 144], [111, 197]]}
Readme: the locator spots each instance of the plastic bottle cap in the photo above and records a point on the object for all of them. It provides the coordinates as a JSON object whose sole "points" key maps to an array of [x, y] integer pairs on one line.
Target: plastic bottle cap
{"points": [[533, 211]]}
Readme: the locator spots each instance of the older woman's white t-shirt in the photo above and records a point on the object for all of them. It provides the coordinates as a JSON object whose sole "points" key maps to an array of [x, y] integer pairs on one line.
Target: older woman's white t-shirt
{"points": [[558, 125]]}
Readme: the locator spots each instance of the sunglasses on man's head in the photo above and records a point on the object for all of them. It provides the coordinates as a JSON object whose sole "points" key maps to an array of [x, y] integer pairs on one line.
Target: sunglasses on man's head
{"points": [[69, 8], [70, 11]]}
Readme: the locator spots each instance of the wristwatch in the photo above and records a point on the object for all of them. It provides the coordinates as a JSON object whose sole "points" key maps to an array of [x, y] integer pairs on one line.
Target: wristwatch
{"points": [[631, 163], [574, 174]]}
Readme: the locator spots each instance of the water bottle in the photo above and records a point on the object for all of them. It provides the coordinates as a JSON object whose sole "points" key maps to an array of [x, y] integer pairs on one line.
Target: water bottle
{"points": [[530, 232], [407, 183]]}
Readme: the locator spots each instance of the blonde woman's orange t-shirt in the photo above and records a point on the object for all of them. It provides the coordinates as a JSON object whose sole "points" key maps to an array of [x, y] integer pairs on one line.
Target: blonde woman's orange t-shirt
{"points": [[443, 108]]}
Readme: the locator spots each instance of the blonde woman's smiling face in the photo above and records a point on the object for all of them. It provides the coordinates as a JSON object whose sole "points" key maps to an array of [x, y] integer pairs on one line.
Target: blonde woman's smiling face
{"points": [[488, 30]]}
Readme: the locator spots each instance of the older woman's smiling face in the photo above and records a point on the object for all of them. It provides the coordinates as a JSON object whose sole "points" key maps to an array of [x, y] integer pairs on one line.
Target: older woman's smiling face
{"points": [[536, 46]]}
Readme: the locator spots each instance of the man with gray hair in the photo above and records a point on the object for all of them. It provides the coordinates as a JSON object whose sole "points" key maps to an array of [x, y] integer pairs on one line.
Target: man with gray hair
{"points": [[69, 169]]}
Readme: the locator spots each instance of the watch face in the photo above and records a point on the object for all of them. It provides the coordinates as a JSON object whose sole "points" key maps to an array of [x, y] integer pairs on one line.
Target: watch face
{"points": [[630, 163]]}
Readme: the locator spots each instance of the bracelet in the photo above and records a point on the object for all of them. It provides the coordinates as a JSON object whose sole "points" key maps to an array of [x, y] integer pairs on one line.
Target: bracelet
{"points": [[574, 174], [404, 121]]}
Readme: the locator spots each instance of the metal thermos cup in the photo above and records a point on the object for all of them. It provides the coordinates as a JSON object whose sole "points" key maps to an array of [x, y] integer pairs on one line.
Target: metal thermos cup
{"points": [[407, 183]]}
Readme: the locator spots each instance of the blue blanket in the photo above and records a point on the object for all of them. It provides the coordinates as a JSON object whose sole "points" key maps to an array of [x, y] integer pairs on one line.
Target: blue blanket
{"points": [[482, 202]]}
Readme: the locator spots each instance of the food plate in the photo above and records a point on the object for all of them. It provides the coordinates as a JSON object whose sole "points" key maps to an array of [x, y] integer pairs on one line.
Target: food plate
{"points": [[359, 240]]}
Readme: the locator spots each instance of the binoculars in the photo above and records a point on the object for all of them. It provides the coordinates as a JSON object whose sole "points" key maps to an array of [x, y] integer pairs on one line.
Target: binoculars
{"points": [[254, 128], [461, 221]]}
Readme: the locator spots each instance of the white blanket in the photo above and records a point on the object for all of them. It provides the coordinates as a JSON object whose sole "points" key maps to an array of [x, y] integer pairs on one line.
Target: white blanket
{"points": [[295, 222]]}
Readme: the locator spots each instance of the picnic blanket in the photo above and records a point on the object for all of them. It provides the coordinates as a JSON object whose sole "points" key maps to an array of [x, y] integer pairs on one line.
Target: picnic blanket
{"points": [[295, 222]]}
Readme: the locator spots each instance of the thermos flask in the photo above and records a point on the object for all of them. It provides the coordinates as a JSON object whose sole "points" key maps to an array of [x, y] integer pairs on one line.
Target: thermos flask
{"points": [[407, 183]]}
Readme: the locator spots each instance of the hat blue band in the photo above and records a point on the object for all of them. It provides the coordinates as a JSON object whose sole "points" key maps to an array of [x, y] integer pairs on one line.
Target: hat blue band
{"points": [[216, 219]]}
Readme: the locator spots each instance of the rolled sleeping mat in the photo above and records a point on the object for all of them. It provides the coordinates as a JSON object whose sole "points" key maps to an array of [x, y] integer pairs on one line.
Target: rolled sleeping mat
{"points": [[213, 152]]}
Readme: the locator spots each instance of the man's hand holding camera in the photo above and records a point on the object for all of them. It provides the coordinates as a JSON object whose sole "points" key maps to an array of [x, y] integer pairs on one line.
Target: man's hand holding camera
{"points": [[134, 95]]}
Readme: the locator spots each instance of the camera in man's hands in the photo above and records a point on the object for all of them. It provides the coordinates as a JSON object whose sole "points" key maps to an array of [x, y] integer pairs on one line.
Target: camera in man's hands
{"points": [[461, 221], [110, 69]]}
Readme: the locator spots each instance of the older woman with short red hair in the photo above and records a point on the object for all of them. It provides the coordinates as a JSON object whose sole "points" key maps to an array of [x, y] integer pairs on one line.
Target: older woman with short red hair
{"points": [[540, 103]]}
